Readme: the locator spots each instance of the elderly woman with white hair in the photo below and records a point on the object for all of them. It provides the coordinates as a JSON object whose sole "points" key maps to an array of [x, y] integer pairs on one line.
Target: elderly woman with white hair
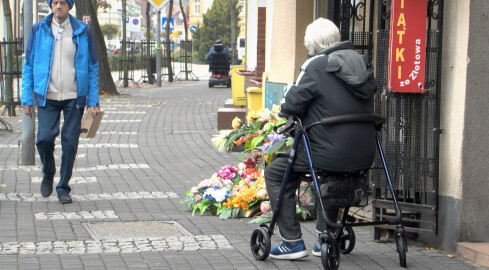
{"points": [[333, 81]]}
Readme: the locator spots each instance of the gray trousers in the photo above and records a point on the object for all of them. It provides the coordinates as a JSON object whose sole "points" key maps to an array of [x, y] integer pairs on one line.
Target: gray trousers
{"points": [[288, 223]]}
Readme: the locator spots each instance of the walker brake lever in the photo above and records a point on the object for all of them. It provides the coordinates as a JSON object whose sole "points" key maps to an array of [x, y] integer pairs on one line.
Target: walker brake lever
{"points": [[288, 125]]}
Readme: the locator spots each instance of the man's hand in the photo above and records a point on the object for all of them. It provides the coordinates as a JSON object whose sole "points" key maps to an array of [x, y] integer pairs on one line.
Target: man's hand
{"points": [[94, 110], [28, 110]]}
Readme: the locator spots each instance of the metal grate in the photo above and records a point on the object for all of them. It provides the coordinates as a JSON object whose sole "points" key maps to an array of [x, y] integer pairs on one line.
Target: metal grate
{"points": [[361, 41], [408, 136], [409, 142]]}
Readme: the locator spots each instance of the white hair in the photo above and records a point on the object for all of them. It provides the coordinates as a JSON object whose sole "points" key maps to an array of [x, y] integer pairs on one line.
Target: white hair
{"points": [[320, 35]]}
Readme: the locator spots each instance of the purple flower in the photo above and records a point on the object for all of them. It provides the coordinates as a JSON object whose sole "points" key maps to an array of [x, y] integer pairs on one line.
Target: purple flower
{"points": [[275, 137]]}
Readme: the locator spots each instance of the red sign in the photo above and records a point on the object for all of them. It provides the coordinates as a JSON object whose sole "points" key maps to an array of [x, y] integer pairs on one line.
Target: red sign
{"points": [[407, 46]]}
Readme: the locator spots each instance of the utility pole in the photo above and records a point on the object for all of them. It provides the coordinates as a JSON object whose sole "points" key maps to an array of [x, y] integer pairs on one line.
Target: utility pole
{"points": [[158, 50], [28, 123], [158, 5]]}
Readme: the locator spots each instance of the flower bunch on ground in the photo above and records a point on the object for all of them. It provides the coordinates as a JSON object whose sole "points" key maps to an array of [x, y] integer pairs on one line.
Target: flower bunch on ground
{"points": [[231, 192], [211, 192], [235, 192]]}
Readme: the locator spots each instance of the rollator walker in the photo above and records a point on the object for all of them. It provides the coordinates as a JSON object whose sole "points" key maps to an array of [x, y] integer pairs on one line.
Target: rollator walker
{"points": [[343, 241]]}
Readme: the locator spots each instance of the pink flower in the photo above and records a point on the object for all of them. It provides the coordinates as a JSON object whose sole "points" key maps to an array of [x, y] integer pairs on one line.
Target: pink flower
{"points": [[265, 206], [216, 183], [204, 183], [198, 198], [226, 174], [194, 190], [230, 168], [228, 182]]}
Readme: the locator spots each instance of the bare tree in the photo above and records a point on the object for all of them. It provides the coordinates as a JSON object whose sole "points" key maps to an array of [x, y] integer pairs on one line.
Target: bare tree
{"points": [[185, 25], [88, 8]]}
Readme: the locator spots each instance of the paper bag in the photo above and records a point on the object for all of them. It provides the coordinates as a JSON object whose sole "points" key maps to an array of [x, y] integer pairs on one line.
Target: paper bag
{"points": [[90, 124]]}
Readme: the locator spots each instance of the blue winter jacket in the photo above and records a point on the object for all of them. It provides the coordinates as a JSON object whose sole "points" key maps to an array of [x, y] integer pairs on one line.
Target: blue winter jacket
{"points": [[39, 57]]}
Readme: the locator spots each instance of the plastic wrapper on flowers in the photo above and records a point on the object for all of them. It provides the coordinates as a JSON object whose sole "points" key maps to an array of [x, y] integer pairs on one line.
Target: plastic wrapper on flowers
{"points": [[258, 133]]}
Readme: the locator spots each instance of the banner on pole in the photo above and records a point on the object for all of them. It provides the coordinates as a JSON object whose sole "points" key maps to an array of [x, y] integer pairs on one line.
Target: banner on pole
{"points": [[407, 46]]}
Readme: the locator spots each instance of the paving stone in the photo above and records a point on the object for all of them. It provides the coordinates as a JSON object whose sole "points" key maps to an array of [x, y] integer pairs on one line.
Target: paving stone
{"points": [[154, 144]]}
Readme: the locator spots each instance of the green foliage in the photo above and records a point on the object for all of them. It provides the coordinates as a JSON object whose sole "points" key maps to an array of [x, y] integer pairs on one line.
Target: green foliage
{"points": [[216, 25], [109, 30]]}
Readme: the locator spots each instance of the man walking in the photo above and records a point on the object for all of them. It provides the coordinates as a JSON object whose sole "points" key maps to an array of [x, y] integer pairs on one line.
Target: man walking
{"points": [[61, 68]]}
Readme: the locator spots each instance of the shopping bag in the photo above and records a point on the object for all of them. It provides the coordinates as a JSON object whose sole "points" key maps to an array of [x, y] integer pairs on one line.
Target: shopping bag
{"points": [[90, 124]]}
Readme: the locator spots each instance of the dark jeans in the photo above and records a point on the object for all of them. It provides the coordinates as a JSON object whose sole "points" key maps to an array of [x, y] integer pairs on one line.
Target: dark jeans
{"points": [[47, 131], [288, 223]]}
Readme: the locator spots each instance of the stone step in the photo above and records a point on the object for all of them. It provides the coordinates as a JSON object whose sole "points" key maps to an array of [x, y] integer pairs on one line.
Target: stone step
{"points": [[475, 252]]}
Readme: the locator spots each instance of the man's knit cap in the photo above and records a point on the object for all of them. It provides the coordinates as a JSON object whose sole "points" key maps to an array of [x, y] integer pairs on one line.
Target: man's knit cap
{"points": [[70, 2]]}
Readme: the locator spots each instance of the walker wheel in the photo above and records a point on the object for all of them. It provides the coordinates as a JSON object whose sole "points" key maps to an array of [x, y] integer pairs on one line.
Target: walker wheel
{"points": [[330, 254], [401, 245], [347, 240], [260, 244]]}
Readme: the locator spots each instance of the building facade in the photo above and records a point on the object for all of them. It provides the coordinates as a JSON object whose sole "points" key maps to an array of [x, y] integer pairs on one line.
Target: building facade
{"points": [[454, 207]]}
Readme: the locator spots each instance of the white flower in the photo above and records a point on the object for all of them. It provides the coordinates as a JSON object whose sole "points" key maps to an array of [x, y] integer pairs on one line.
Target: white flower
{"points": [[242, 166], [220, 194]]}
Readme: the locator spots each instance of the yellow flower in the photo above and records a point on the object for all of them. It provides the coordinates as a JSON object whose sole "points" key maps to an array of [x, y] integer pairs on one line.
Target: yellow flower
{"points": [[276, 108], [236, 123], [252, 116], [249, 195]]}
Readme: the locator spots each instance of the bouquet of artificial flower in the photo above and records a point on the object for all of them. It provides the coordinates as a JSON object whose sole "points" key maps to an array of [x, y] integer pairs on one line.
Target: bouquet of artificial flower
{"points": [[210, 193]]}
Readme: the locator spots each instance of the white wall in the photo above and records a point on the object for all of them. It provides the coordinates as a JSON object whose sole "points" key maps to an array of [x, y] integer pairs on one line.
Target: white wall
{"points": [[251, 34], [454, 73]]}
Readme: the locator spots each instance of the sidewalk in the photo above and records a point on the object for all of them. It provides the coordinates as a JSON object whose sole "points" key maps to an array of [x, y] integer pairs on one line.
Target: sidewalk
{"points": [[152, 146]]}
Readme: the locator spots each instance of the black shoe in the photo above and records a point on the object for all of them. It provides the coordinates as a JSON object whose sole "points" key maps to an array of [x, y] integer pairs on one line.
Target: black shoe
{"points": [[64, 197], [46, 186]]}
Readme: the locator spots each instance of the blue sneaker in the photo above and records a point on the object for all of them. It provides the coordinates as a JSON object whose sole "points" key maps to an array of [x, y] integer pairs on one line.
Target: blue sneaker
{"points": [[316, 250], [287, 251]]}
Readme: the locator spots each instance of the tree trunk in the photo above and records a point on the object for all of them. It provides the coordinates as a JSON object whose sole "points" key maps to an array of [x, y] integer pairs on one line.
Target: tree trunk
{"points": [[185, 43], [106, 82], [149, 70], [123, 51], [184, 20], [9, 62], [167, 43]]}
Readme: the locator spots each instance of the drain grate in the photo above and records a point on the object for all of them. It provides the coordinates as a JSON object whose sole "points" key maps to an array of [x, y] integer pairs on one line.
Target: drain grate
{"points": [[135, 229]]}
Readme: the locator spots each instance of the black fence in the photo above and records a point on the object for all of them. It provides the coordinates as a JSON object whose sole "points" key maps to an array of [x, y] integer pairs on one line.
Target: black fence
{"points": [[185, 59], [10, 76], [140, 58]]}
